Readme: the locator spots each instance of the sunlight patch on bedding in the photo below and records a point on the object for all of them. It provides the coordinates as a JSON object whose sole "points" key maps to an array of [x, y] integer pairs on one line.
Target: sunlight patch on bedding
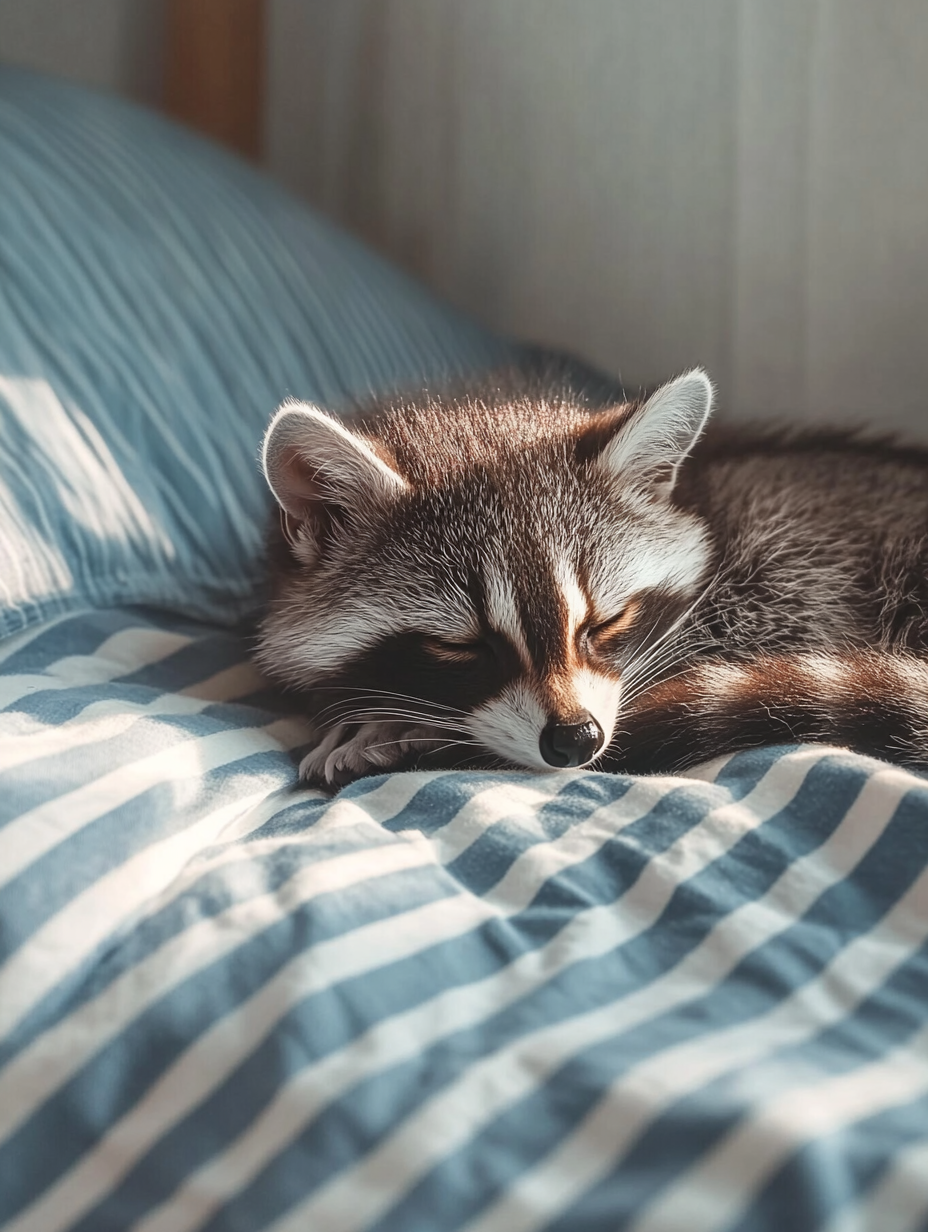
{"points": [[89, 482]]}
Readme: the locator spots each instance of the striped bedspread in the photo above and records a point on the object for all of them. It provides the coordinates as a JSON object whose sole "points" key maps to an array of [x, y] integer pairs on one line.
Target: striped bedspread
{"points": [[495, 1002]]}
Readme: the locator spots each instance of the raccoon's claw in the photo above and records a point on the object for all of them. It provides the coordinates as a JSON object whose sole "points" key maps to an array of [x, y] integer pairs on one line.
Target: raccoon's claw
{"points": [[349, 752]]}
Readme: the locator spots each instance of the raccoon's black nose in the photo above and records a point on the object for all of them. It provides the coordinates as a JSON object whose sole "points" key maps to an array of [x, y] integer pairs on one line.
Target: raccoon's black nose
{"points": [[571, 744]]}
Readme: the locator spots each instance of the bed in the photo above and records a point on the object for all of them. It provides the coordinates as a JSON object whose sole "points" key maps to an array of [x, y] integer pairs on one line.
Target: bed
{"points": [[494, 1002]]}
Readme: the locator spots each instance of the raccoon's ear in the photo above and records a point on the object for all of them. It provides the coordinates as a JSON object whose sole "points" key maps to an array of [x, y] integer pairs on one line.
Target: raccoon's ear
{"points": [[317, 468], [649, 445]]}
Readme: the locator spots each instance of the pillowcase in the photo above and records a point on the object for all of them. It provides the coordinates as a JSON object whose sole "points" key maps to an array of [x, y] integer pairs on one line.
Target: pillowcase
{"points": [[158, 299]]}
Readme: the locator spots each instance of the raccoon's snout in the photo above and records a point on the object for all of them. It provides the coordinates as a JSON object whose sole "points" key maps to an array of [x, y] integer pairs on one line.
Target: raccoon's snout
{"points": [[571, 744]]}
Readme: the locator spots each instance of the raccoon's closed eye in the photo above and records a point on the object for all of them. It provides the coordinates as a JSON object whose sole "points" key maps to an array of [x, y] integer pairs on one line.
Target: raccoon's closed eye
{"points": [[458, 652], [615, 625]]}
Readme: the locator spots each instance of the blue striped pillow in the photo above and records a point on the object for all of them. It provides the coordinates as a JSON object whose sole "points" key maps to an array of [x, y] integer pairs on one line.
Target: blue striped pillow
{"points": [[158, 298]]}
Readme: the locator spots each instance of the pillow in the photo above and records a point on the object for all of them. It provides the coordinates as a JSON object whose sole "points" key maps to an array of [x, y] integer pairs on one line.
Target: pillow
{"points": [[158, 299]]}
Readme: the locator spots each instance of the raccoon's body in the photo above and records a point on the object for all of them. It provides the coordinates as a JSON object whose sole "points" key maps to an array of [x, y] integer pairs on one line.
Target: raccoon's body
{"points": [[505, 577]]}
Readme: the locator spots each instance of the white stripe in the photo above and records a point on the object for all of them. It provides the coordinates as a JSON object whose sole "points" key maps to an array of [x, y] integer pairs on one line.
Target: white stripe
{"points": [[578, 607], [360, 1195], [72, 934], [36, 832], [65, 939], [503, 611], [56, 1055], [31, 739], [647, 1089], [898, 1202], [715, 1193], [588, 934], [125, 652]]}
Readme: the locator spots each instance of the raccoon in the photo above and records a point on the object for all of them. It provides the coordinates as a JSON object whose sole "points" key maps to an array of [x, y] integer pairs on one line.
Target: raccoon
{"points": [[507, 577]]}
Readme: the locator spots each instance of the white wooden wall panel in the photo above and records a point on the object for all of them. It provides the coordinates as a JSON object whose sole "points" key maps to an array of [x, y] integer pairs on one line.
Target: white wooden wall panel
{"points": [[768, 312], [655, 183], [111, 44], [867, 244]]}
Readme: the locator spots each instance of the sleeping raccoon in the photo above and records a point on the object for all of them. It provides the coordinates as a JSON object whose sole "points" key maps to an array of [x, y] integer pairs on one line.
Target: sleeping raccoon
{"points": [[505, 577]]}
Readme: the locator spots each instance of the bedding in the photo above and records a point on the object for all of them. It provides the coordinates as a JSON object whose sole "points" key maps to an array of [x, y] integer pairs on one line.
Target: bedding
{"points": [[493, 1002]]}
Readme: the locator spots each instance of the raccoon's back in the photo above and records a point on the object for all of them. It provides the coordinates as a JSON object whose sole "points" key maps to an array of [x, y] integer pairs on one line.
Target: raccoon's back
{"points": [[822, 540]]}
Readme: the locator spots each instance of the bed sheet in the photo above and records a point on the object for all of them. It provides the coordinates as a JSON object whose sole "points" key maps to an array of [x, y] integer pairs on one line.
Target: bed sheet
{"points": [[492, 1002]]}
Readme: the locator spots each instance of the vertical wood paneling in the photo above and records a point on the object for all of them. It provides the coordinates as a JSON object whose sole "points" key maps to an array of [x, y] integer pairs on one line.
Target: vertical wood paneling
{"points": [[770, 312], [109, 44], [531, 207], [868, 245], [655, 183]]}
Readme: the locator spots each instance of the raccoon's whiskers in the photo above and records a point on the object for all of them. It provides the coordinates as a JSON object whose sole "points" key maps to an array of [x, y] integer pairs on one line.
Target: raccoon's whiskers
{"points": [[648, 674], [653, 656], [383, 695], [653, 673], [649, 666], [355, 712], [383, 744], [358, 690], [629, 699], [648, 649], [388, 715], [487, 762]]}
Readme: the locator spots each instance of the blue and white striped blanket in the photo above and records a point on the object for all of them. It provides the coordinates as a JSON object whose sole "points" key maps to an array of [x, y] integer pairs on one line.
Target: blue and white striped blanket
{"points": [[492, 1002]]}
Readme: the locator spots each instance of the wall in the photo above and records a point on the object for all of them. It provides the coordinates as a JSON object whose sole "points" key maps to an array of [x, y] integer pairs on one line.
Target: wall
{"points": [[113, 45], [656, 183]]}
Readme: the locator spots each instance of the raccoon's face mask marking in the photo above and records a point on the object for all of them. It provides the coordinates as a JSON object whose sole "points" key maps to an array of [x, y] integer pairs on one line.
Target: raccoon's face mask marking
{"points": [[497, 600]]}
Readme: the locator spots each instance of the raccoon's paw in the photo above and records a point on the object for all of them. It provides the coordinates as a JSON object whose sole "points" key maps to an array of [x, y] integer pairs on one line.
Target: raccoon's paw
{"points": [[349, 751]]}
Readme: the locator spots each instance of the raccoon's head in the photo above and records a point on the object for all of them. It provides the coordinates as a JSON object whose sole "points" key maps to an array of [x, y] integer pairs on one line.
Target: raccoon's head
{"points": [[499, 567]]}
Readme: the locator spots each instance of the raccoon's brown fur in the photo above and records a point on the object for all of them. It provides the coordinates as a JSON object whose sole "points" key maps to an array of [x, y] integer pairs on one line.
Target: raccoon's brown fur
{"points": [[505, 576]]}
